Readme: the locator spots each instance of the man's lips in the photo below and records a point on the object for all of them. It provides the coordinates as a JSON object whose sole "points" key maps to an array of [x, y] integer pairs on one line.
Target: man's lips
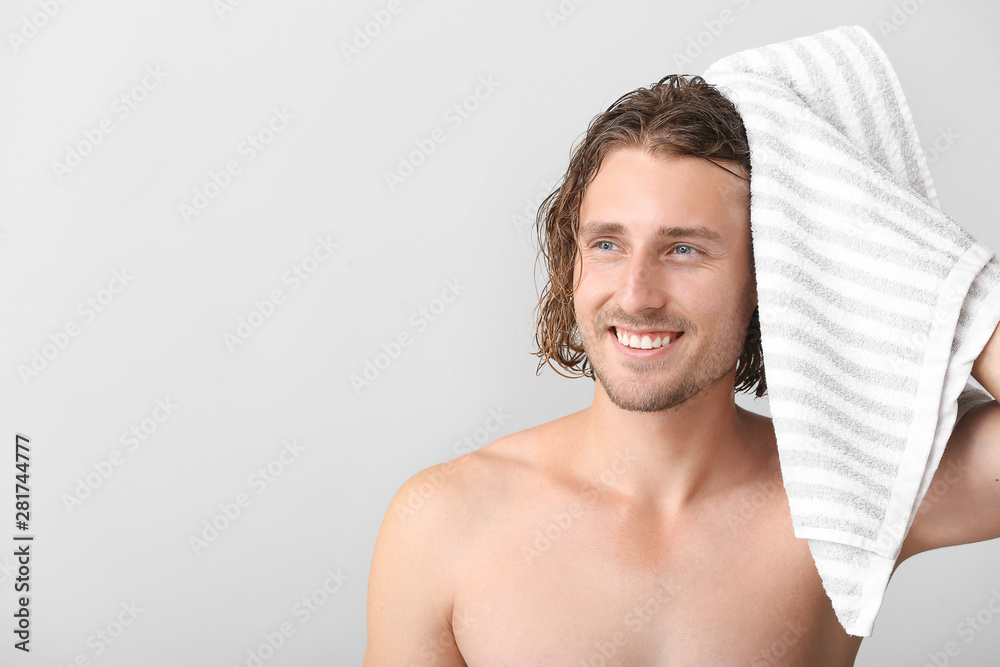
{"points": [[637, 339]]}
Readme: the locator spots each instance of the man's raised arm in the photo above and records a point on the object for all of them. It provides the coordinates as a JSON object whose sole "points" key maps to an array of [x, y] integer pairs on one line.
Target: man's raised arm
{"points": [[962, 504]]}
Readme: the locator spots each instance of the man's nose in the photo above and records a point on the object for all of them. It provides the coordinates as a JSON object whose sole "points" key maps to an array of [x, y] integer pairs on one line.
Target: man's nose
{"points": [[643, 283]]}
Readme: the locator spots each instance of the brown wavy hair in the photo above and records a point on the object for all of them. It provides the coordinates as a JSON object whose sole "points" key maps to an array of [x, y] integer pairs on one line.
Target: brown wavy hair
{"points": [[679, 115]]}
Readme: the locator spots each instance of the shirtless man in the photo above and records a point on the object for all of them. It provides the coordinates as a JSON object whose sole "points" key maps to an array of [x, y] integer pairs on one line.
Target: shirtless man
{"points": [[625, 533]]}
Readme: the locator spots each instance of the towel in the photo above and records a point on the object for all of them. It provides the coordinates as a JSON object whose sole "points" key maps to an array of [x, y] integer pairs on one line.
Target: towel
{"points": [[873, 303]]}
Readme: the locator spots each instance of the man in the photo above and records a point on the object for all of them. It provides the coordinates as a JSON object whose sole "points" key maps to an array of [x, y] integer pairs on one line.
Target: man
{"points": [[622, 534]]}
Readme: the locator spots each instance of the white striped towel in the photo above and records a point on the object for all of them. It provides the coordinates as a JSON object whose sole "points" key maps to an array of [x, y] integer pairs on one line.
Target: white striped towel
{"points": [[873, 303]]}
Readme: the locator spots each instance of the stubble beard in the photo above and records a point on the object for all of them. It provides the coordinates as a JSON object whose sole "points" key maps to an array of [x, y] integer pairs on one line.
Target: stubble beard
{"points": [[635, 385]]}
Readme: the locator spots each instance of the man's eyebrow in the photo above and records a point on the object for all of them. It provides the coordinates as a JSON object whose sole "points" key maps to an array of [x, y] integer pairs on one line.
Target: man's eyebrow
{"points": [[700, 231]]}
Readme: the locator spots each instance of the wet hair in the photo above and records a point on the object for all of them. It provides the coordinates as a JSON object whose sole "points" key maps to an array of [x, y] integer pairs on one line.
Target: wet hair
{"points": [[680, 115]]}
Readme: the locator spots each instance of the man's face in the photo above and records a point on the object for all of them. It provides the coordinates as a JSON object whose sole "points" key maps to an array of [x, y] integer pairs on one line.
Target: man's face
{"points": [[635, 272]]}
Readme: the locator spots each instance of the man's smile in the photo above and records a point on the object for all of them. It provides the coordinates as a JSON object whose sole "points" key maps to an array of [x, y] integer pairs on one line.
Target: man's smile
{"points": [[640, 344]]}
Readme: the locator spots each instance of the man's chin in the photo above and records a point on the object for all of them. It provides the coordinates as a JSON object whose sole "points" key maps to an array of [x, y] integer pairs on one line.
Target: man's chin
{"points": [[644, 404], [642, 397]]}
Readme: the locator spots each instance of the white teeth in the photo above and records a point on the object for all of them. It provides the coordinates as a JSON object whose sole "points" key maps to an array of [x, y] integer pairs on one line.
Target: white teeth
{"points": [[644, 343]]}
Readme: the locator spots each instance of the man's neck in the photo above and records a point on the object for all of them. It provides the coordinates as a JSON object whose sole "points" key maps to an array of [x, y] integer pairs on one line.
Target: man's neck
{"points": [[670, 461]]}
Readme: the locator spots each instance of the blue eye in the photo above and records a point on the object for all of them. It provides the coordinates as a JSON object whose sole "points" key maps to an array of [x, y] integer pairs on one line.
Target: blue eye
{"points": [[604, 245]]}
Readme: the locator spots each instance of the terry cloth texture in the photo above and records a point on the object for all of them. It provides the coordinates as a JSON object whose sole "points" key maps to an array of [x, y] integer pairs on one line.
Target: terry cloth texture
{"points": [[873, 303]]}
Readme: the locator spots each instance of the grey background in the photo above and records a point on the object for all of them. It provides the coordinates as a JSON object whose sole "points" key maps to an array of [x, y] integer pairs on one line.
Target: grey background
{"points": [[462, 216]]}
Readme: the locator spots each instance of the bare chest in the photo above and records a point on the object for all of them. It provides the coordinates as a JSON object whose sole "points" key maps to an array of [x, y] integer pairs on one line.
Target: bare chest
{"points": [[569, 585]]}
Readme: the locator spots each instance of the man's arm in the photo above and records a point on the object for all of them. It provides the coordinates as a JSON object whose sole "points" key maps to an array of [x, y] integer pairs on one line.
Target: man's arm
{"points": [[962, 504], [410, 588]]}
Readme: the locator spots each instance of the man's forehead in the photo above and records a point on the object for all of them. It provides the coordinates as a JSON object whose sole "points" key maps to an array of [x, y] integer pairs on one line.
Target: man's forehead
{"points": [[666, 197]]}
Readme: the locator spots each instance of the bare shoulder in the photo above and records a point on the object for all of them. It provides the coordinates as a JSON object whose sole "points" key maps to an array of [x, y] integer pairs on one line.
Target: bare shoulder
{"points": [[484, 477], [427, 540], [449, 498]]}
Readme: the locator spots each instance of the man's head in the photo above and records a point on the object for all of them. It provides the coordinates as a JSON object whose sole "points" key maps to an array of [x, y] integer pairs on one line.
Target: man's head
{"points": [[672, 155]]}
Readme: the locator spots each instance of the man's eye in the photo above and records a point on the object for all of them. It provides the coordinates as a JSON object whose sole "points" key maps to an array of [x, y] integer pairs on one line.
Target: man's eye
{"points": [[681, 249], [691, 249]]}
